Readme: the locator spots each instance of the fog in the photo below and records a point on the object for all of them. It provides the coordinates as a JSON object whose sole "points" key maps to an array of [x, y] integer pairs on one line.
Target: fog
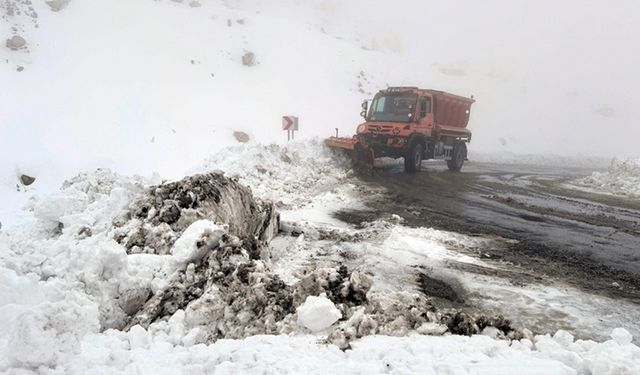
{"points": [[548, 76], [142, 86]]}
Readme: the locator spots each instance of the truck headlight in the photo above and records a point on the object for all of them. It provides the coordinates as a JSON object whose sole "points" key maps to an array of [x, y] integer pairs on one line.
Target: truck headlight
{"points": [[361, 128]]}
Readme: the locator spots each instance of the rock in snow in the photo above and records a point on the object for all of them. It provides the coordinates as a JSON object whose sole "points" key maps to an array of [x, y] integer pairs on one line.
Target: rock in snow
{"points": [[318, 313], [249, 59], [57, 5], [241, 137], [27, 180], [16, 42]]}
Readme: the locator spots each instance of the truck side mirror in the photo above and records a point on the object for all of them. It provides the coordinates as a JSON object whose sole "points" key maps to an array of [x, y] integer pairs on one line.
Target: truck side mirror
{"points": [[365, 107]]}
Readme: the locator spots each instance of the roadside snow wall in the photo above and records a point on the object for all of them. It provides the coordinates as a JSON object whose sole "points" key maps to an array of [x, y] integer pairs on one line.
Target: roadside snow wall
{"points": [[622, 178]]}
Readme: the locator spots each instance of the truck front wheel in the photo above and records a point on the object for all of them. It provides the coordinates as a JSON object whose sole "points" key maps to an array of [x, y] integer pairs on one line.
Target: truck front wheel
{"points": [[458, 156], [413, 158]]}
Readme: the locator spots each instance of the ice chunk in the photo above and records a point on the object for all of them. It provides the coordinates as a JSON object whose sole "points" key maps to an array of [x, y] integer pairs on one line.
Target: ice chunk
{"points": [[621, 336], [318, 313]]}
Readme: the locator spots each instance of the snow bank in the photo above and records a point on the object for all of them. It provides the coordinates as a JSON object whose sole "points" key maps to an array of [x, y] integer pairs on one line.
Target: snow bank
{"points": [[291, 175], [66, 282], [141, 351], [622, 178], [63, 276], [60, 272]]}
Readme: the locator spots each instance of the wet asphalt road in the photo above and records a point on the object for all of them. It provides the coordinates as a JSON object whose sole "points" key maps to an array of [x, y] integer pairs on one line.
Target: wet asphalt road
{"points": [[587, 240]]}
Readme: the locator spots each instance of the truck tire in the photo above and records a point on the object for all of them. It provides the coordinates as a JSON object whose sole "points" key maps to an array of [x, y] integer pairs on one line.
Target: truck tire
{"points": [[457, 159], [413, 158]]}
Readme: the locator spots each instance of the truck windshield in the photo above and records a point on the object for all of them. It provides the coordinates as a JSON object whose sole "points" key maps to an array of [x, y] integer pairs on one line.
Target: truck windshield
{"points": [[397, 107]]}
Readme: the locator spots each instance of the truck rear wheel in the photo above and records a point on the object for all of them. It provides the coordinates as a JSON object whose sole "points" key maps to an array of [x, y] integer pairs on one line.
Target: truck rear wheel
{"points": [[458, 156], [413, 158]]}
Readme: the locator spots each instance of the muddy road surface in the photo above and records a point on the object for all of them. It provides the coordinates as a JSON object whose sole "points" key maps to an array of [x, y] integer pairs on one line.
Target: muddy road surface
{"points": [[546, 230]]}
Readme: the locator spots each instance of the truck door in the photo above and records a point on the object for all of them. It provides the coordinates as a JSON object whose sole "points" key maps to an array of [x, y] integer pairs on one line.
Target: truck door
{"points": [[425, 115]]}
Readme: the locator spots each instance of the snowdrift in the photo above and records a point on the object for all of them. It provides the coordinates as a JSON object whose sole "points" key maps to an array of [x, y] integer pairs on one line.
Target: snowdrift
{"points": [[622, 178]]}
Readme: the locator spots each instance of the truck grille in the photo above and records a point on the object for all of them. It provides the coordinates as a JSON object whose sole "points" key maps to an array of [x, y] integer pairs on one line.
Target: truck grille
{"points": [[380, 129]]}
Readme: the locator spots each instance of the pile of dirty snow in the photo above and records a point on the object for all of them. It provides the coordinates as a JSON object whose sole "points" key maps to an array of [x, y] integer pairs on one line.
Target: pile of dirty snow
{"points": [[125, 274], [622, 178]]}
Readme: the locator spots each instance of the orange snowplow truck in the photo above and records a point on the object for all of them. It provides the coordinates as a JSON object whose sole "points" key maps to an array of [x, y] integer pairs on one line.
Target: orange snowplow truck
{"points": [[412, 123]]}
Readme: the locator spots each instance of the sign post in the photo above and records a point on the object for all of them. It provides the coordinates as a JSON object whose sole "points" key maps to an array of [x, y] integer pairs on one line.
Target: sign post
{"points": [[290, 124]]}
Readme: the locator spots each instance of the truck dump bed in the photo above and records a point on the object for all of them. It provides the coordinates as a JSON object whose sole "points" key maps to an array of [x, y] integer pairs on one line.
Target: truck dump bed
{"points": [[451, 111]]}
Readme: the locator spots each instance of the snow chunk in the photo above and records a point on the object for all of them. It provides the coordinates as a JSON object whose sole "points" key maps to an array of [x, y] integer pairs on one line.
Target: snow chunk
{"points": [[434, 329], [563, 338], [185, 250], [318, 313], [621, 336]]}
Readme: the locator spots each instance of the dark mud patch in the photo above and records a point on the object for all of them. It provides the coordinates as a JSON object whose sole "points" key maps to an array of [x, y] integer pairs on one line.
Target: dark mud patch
{"points": [[572, 268], [433, 287], [358, 218], [461, 323]]}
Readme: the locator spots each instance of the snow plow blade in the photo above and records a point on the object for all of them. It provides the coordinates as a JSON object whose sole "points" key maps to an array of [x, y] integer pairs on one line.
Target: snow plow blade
{"points": [[361, 156], [340, 142]]}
